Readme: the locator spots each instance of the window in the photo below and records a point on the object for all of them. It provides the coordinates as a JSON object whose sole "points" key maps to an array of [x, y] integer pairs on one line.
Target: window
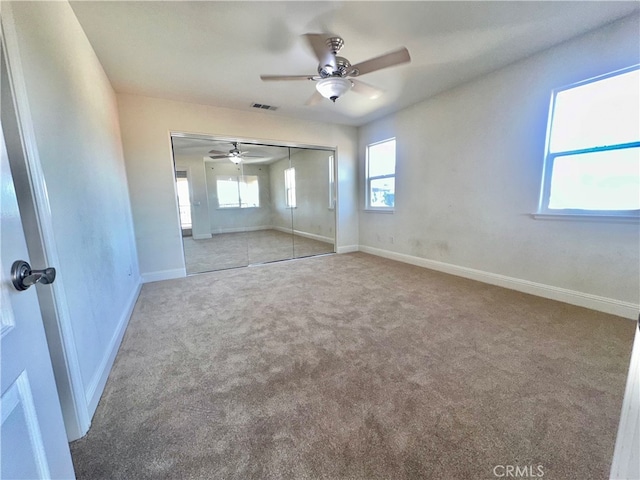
{"points": [[332, 182], [381, 175], [290, 187], [184, 199], [238, 191], [592, 163]]}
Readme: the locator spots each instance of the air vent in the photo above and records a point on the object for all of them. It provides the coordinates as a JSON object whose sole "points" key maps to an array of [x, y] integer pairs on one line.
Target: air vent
{"points": [[263, 107]]}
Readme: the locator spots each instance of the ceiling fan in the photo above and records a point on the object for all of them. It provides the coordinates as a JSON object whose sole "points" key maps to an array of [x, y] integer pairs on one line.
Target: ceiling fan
{"points": [[335, 74], [235, 155]]}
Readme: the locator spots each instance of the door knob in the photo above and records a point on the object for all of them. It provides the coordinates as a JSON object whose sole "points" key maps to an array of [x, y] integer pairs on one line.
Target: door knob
{"points": [[23, 277]]}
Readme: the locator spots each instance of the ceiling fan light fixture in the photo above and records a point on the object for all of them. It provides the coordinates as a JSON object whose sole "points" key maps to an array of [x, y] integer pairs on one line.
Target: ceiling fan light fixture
{"points": [[333, 87]]}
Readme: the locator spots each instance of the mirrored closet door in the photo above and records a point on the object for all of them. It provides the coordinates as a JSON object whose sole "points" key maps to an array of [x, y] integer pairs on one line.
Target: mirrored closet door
{"points": [[313, 217], [243, 203]]}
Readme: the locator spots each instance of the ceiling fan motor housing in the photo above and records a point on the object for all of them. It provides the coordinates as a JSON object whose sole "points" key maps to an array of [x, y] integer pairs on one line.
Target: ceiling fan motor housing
{"points": [[335, 44], [342, 68]]}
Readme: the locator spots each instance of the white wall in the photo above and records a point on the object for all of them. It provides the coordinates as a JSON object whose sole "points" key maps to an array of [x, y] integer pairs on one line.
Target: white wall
{"points": [[77, 132], [469, 167], [146, 124]]}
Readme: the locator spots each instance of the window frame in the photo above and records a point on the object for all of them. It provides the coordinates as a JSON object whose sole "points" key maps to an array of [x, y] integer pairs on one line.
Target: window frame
{"points": [[549, 160], [368, 178]]}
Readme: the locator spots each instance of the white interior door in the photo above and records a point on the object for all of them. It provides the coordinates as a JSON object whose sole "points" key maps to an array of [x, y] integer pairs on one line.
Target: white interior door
{"points": [[33, 441], [626, 456]]}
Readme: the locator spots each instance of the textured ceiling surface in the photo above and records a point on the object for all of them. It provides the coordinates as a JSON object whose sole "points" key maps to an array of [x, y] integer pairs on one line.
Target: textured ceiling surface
{"points": [[213, 53]]}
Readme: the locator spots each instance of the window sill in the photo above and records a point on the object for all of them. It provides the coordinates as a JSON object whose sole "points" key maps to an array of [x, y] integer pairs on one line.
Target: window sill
{"points": [[236, 208], [586, 217], [379, 210]]}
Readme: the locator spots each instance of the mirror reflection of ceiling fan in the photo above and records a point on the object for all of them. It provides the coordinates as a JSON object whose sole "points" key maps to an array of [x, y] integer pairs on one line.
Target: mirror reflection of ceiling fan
{"points": [[335, 74], [235, 155]]}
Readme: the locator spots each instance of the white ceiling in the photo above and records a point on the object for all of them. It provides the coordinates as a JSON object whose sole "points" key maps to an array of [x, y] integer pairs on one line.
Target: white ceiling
{"points": [[213, 53]]}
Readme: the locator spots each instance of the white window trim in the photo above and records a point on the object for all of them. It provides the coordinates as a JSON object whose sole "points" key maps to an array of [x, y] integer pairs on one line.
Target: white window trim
{"points": [[544, 212], [586, 217], [368, 207]]}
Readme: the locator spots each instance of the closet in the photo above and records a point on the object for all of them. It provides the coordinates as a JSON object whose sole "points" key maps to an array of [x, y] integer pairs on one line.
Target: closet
{"points": [[244, 203]]}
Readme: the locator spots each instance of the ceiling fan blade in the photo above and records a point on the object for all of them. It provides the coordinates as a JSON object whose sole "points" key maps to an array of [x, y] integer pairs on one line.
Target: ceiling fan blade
{"points": [[217, 152], [314, 99], [215, 157], [245, 153], [318, 43], [271, 78], [366, 89], [383, 61]]}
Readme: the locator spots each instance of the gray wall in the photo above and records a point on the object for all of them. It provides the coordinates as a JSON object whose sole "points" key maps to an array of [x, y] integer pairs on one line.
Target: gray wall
{"points": [[238, 219], [77, 131], [281, 216], [312, 214], [469, 167]]}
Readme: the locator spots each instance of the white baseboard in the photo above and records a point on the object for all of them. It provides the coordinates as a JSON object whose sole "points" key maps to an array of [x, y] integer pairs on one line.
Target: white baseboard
{"points": [[347, 249], [587, 300], [282, 229], [313, 236], [241, 229], [201, 236], [300, 233], [163, 275], [99, 380]]}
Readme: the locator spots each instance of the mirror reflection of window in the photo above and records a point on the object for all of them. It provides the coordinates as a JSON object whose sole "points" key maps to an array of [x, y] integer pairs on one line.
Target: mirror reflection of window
{"points": [[184, 199], [249, 191], [331, 183], [290, 186], [238, 191]]}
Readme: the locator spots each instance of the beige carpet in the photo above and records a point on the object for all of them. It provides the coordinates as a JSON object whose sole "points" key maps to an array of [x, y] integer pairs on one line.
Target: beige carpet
{"points": [[231, 250], [356, 367]]}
